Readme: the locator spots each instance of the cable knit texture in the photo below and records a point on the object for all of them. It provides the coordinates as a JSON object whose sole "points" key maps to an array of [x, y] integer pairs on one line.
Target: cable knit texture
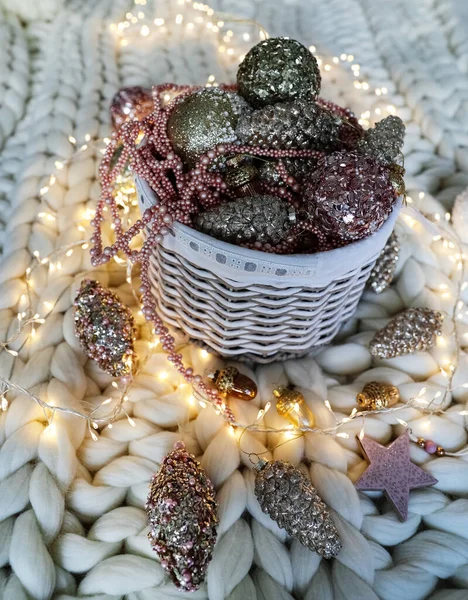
{"points": [[72, 519]]}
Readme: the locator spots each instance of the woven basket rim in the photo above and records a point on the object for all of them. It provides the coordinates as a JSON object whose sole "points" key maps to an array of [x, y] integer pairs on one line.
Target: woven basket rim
{"points": [[288, 260]]}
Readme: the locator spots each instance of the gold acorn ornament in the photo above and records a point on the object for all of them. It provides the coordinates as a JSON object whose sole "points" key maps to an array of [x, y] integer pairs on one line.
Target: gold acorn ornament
{"points": [[413, 330], [291, 405], [231, 382], [377, 396]]}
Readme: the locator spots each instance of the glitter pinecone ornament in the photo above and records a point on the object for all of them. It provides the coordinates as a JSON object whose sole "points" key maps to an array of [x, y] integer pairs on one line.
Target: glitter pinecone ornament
{"points": [[202, 120], [105, 328], [384, 142], [277, 70], [384, 269], [287, 496], [302, 124], [413, 330], [297, 167], [264, 219], [349, 196], [182, 515]]}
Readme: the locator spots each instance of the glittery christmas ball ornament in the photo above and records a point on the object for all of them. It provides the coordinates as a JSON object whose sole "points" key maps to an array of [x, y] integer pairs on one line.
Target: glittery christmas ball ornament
{"points": [[377, 396], [384, 142], [105, 328], [302, 124], [182, 515], [277, 70], [131, 103], [287, 496], [202, 120], [264, 219], [384, 269], [231, 382], [349, 196], [413, 330]]}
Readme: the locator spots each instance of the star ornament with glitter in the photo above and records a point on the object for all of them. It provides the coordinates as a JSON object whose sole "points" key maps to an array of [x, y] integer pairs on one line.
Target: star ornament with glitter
{"points": [[392, 472]]}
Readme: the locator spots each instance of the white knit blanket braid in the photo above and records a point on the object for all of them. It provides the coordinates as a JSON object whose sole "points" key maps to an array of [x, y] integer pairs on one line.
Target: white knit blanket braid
{"points": [[72, 519]]}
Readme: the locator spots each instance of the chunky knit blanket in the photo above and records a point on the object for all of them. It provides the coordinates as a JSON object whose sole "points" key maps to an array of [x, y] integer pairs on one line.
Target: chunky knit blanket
{"points": [[72, 520]]}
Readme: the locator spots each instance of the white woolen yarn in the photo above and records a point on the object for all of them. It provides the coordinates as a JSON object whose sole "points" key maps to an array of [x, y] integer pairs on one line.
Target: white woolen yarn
{"points": [[72, 520]]}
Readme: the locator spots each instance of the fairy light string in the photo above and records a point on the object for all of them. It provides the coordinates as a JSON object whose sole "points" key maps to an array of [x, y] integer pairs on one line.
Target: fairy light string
{"points": [[125, 199]]}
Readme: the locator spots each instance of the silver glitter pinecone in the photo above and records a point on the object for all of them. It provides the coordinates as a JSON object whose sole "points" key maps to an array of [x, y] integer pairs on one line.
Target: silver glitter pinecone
{"points": [[264, 219], [277, 70], [203, 120], [302, 125], [413, 330], [287, 496], [384, 142], [384, 269], [182, 515]]}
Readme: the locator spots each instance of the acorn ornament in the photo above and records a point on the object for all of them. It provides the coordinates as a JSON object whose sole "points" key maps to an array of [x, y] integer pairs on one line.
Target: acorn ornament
{"points": [[182, 515], [287, 496], [202, 120], [291, 405], [231, 382], [278, 70], [413, 330], [377, 396], [105, 328]]}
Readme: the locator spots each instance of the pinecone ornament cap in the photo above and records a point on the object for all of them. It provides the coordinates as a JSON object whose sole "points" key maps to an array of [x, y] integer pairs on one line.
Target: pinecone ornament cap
{"points": [[384, 269], [287, 496], [264, 219], [182, 515], [413, 330], [302, 124], [278, 70]]}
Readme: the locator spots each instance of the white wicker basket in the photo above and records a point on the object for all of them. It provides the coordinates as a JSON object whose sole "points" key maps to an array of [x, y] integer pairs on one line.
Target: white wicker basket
{"points": [[251, 305]]}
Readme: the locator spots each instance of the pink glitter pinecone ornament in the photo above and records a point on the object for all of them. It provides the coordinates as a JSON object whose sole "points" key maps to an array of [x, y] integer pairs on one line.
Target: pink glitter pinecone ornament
{"points": [[105, 328], [182, 514], [349, 196]]}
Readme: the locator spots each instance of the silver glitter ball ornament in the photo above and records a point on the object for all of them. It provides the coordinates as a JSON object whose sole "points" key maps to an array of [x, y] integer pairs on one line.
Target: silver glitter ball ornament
{"points": [[105, 328], [349, 196], [413, 330], [182, 515], [287, 496], [264, 219], [277, 70], [203, 120], [384, 269], [384, 142]]}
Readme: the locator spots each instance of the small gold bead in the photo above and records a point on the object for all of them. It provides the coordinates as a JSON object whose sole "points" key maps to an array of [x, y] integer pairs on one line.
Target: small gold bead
{"points": [[440, 451], [421, 442]]}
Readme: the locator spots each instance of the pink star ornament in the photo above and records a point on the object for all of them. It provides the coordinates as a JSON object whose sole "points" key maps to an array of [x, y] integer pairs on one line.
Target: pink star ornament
{"points": [[391, 471]]}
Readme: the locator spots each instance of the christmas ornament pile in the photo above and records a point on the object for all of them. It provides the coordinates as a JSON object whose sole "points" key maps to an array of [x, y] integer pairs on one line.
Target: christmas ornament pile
{"points": [[267, 164]]}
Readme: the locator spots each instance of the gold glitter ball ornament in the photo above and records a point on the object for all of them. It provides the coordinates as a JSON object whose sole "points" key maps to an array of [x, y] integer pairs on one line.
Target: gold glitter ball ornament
{"points": [[277, 70], [231, 382], [287, 496], [291, 405], [182, 515], [413, 330], [376, 396], [105, 328], [203, 120], [384, 269]]}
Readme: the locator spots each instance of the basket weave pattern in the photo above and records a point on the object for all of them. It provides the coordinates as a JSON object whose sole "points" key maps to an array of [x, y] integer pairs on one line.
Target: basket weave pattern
{"points": [[251, 305]]}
